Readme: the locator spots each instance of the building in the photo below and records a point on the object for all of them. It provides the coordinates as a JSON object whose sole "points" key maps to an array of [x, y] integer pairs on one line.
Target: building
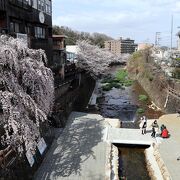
{"points": [[28, 19], [142, 46], [72, 51], [59, 54], [121, 46], [178, 41], [59, 49]]}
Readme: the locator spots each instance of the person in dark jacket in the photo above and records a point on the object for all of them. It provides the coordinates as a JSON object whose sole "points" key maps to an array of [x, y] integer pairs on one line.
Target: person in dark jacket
{"points": [[144, 127], [155, 128]]}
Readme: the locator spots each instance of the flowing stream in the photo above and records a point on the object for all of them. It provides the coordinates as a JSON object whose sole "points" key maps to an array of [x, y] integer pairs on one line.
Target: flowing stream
{"points": [[132, 165], [123, 104]]}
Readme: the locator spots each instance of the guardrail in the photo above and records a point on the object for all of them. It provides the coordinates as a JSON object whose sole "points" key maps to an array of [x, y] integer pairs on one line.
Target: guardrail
{"points": [[6, 158]]}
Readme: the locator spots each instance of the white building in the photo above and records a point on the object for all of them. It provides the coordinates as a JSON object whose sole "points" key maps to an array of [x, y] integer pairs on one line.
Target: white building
{"points": [[72, 51]]}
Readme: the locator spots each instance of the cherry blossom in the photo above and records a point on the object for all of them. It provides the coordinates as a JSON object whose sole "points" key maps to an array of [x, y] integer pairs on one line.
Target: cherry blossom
{"points": [[26, 93]]}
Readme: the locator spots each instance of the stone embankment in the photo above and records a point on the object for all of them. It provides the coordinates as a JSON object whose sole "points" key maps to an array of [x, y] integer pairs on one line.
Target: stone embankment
{"points": [[142, 68]]}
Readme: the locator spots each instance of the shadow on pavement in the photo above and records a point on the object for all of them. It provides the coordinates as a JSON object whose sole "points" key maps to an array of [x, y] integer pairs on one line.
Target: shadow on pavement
{"points": [[72, 149]]}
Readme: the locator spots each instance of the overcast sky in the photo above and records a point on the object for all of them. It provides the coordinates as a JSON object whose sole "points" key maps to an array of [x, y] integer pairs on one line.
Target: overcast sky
{"points": [[137, 19]]}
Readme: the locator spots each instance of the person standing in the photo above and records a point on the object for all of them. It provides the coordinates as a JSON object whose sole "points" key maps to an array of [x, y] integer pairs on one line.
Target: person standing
{"points": [[155, 128], [144, 126]]}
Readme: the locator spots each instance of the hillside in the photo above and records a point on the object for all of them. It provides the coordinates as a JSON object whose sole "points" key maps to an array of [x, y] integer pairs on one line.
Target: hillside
{"points": [[73, 36]]}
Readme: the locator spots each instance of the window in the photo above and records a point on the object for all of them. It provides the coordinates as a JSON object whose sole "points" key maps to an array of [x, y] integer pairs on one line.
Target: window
{"points": [[41, 5], [40, 32], [48, 8], [28, 2], [44, 6], [27, 29], [14, 27]]}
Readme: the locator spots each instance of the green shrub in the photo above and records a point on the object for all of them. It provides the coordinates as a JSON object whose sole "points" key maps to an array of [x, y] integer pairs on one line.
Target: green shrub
{"points": [[121, 79], [121, 75], [128, 83], [115, 84], [140, 111], [136, 55], [143, 97], [109, 86], [106, 87], [177, 59], [106, 80]]}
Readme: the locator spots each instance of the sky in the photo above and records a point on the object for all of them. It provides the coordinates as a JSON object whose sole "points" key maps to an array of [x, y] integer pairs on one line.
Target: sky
{"points": [[137, 19]]}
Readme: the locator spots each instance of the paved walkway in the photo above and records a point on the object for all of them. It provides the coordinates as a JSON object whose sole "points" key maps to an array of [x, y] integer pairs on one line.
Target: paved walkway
{"points": [[170, 148], [129, 136], [79, 153]]}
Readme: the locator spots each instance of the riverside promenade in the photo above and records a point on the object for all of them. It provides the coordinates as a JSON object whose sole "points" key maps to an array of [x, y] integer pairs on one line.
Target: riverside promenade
{"points": [[169, 149], [79, 153]]}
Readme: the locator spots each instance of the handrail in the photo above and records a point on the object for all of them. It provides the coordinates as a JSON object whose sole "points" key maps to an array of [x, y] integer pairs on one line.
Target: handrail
{"points": [[4, 154]]}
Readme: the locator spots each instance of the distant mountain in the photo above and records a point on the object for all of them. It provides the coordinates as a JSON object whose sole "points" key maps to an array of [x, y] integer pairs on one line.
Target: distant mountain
{"points": [[72, 36]]}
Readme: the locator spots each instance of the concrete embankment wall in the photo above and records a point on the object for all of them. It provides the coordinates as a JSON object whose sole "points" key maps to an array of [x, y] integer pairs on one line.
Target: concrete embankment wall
{"points": [[155, 165], [142, 68], [72, 96]]}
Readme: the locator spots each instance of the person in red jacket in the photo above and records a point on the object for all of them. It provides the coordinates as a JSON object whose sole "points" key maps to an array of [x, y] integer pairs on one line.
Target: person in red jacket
{"points": [[165, 133]]}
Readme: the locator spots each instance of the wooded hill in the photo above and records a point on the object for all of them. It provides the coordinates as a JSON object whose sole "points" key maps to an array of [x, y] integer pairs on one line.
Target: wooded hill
{"points": [[73, 36]]}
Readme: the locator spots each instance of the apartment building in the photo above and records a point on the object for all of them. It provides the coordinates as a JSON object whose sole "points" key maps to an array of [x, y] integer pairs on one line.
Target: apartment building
{"points": [[30, 20], [121, 46]]}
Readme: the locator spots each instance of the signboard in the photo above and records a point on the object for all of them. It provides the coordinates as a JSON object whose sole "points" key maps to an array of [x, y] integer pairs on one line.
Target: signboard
{"points": [[30, 158], [41, 146], [22, 36]]}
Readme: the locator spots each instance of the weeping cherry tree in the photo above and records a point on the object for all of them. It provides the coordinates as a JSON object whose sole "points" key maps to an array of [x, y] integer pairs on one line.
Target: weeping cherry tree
{"points": [[26, 93]]}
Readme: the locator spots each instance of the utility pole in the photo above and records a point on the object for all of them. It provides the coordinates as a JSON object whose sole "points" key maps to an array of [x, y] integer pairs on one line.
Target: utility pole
{"points": [[171, 31], [157, 38]]}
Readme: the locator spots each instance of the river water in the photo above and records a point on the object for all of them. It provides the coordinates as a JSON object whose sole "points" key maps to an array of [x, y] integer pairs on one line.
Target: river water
{"points": [[123, 104], [132, 165]]}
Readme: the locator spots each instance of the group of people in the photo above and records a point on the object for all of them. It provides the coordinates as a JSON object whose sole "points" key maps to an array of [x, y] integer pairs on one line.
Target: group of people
{"points": [[155, 128]]}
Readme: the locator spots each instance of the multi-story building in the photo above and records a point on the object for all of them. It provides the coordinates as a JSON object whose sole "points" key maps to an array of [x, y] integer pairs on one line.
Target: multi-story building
{"points": [[28, 19], [121, 46]]}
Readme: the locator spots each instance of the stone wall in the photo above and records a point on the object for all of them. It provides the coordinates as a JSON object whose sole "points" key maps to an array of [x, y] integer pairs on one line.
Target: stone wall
{"points": [[71, 96], [142, 68]]}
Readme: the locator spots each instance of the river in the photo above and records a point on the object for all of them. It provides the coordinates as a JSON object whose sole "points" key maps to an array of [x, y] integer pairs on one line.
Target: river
{"points": [[123, 104]]}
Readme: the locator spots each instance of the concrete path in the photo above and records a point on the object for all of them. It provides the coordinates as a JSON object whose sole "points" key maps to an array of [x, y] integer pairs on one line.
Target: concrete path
{"points": [[170, 148], [79, 153], [129, 136]]}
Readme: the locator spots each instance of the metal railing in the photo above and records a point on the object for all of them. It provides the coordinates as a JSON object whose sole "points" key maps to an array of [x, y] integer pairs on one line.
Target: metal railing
{"points": [[6, 158]]}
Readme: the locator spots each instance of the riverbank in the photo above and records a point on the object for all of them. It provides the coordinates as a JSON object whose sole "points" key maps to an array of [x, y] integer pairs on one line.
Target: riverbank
{"points": [[123, 103], [163, 90]]}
